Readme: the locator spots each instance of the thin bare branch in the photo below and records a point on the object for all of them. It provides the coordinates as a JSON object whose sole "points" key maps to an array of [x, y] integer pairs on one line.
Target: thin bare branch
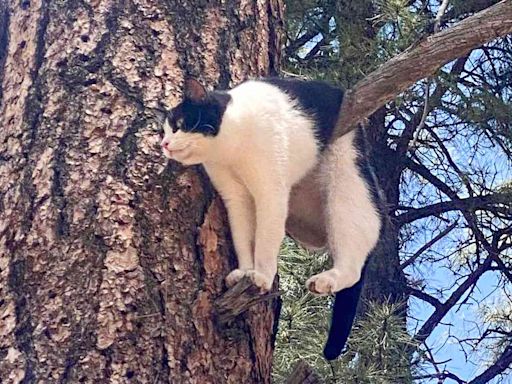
{"points": [[427, 245], [425, 297], [441, 311], [426, 109], [473, 203]]}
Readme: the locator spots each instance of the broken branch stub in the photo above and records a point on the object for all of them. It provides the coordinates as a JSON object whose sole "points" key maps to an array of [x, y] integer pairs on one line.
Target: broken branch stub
{"points": [[303, 374], [239, 299]]}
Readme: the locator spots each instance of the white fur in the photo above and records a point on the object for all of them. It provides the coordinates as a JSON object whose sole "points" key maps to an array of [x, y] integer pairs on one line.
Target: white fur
{"points": [[353, 223], [265, 146]]}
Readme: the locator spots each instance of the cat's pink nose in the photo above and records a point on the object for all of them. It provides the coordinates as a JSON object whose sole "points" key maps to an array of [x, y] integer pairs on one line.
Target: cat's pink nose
{"points": [[165, 143]]}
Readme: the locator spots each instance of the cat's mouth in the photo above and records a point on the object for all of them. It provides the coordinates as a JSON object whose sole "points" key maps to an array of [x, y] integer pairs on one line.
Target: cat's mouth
{"points": [[176, 153]]}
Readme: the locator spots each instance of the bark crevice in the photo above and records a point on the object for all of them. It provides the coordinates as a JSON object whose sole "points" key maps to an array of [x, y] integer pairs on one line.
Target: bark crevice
{"points": [[23, 332], [4, 41]]}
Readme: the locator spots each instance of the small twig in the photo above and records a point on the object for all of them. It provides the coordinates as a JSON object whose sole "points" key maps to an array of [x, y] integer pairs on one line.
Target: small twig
{"points": [[440, 13], [299, 76], [426, 246], [426, 111], [239, 299]]}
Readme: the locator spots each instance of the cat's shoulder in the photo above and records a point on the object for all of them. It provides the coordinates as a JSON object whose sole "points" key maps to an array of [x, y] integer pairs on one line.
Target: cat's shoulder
{"points": [[317, 98]]}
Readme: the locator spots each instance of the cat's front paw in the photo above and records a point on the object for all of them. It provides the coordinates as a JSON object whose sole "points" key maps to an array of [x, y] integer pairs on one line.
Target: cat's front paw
{"points": [[234, 277], [262, 281], [331, 281]]}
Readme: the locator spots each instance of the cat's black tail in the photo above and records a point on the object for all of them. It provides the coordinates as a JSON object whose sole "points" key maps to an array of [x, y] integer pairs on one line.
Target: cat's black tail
{"points": [[343, 314]]}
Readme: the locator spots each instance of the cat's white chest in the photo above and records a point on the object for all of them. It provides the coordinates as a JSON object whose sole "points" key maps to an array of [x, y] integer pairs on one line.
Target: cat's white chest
{"points": [[278, 161]]}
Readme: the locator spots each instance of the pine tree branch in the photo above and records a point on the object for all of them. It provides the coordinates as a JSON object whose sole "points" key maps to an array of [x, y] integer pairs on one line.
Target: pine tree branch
{"points": [[420, 61]]}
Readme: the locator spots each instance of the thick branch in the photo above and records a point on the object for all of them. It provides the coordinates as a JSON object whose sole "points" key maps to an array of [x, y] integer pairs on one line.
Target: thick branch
{"points": [[469, 203], [504, 362], [420, 61], [239, 299]]}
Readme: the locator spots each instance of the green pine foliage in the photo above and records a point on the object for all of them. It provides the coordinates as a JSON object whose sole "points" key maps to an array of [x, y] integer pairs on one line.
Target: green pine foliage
{"points": [[378, 348]]}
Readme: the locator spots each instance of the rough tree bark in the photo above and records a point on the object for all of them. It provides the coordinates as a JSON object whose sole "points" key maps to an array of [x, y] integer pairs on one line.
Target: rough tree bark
{"points": [[110, 260]]}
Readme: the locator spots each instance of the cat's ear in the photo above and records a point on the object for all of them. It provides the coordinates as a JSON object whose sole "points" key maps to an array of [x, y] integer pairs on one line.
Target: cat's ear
{"points": [[194, 90]]}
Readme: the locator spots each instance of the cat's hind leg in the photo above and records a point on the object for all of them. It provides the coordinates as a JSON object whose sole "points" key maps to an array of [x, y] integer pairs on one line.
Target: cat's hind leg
{"points": [[353, 221]]}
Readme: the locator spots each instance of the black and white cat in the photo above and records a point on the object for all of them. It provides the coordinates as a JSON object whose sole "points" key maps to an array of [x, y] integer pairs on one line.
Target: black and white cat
{"points": [[265, 146]]}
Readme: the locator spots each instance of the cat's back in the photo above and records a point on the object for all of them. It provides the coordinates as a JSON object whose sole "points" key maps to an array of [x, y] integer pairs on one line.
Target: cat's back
{"points": [[260, 98], [308, 104], [267, 112], [318, 99]]}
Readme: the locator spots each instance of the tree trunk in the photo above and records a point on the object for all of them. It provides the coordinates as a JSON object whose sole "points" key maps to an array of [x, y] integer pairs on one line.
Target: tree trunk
{"points": [[385, 281], [110, 260]]}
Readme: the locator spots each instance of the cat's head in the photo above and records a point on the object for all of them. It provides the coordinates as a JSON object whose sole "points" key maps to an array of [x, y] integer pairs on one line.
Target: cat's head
{"points": [[191, 127]]}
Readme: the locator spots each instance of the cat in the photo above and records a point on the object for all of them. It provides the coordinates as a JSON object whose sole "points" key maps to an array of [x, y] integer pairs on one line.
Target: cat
{"points": [[265, 145]]}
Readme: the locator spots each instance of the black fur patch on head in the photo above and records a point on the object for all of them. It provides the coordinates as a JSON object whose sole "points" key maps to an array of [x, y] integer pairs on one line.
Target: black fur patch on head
{"points": [[199, 112], [317, 98]]}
